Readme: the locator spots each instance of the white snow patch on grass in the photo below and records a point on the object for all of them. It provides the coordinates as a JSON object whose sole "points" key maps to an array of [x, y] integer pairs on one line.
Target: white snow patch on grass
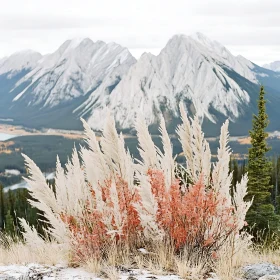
{"points": [[32, 271]]}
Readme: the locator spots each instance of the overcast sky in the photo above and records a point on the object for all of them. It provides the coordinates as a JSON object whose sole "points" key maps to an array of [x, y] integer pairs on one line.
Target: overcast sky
{"points": [[247, 27]]}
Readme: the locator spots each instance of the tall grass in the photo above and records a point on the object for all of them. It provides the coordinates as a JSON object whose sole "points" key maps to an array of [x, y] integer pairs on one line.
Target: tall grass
{"points": [[106, 205], [15, 251]]}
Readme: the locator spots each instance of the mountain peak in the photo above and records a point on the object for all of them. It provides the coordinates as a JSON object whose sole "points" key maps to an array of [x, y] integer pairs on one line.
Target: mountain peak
{"points": [[201, 37], [25, 52], [73, 44], [274, 66], [78, 67], [198, 41], [22, 60]]}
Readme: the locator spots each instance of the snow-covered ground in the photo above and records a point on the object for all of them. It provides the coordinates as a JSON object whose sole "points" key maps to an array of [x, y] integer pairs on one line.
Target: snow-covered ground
{"points": [[36, 271], [259, 271], [14, 172]]}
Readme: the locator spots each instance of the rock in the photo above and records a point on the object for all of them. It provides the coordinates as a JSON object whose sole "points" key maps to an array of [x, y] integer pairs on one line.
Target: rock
{"points": [[270, 277], [131, 278], [256, 271]]}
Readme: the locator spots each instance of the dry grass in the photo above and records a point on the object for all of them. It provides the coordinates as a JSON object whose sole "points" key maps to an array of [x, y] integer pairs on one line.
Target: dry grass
{"points": [[118, 256], [235, 255], [114, 257], [160, 260], [187, 271], [111, 272], [232, 256], [93, 265], [256, 256], [16, 252]]}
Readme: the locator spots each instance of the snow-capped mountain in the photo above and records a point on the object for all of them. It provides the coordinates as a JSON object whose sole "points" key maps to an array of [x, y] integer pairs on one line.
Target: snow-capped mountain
{"points": [[83, 78], [59, 82], [24, 60], [274, 66], [75, 69], [211, 81]]}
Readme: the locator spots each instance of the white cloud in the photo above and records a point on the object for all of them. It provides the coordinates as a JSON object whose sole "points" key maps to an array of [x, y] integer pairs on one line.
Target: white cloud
{"points": [[245, 26]]}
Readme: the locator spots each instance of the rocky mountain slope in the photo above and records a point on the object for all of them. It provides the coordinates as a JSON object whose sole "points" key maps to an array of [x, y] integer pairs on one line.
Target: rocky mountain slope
{"points": [[203, 74], [47, 92], [84, 78]]}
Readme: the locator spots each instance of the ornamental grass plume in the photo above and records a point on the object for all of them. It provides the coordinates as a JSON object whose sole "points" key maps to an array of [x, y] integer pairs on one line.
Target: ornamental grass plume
{"points": [[104, 196]]}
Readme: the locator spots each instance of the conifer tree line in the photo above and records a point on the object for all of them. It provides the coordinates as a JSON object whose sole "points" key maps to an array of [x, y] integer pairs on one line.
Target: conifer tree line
{"points": [[239, 167], [13, 205]]}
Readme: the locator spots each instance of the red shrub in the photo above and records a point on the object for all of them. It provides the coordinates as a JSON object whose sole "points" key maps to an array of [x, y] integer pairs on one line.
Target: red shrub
{"points": [[90, 233], [196, 217]]}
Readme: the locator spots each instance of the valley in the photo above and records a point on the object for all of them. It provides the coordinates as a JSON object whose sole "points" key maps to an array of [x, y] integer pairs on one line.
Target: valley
{"points": [[44, 147]]}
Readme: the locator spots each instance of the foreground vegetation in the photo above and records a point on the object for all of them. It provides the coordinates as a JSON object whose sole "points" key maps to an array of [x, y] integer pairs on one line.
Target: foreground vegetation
{"points": [[107, 206], [107, 210]]}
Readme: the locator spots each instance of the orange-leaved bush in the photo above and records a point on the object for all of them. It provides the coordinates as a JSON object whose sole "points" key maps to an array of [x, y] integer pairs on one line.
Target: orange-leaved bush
{"points": [[196, 216], [90, 231]]}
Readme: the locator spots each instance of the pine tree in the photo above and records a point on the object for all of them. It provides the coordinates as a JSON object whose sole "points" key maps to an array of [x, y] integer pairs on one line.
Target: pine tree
{"points": [[235, 172], [277, 193], [234, 169], [262, 212], [1, 208], [9, 223]]}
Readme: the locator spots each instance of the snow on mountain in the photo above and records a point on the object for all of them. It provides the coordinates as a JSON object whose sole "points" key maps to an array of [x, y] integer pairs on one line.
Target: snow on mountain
{"points": [[239, 64], [78, 67], [274, 66], [83, 78], [24, 60], [190, 69]]}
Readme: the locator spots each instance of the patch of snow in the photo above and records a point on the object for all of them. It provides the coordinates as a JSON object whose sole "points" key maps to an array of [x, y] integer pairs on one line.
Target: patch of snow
{"points": [[17, 97], [270, 277], [12, 172], [36, 271], [6, 120], [15, 271], [275, 133], [143, 251], [213, 276], [21, 185], [262, 75], [50, 176]]}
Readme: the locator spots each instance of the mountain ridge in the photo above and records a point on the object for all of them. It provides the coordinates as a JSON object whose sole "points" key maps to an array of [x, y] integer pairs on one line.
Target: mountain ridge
{"points": [[274, 66], [83, 78]]}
